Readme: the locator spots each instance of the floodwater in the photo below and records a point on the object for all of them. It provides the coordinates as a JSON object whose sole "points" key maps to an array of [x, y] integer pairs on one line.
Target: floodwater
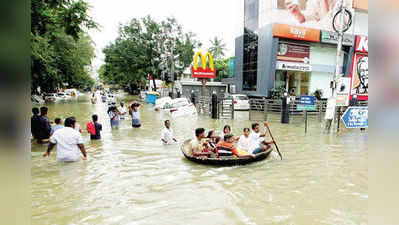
{"points": [[131, 178]]}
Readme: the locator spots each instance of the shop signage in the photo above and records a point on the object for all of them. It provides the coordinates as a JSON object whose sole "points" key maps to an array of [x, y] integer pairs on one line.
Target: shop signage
{"points": [[203, 71], [295, 32], [332, 38], [289, 52], [293, 66], [356, 117], [362, 44], [343, 91], [360, 68]]}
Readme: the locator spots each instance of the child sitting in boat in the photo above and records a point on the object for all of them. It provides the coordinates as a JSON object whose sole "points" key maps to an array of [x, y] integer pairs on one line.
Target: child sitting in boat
{"points": [[226, 148]]}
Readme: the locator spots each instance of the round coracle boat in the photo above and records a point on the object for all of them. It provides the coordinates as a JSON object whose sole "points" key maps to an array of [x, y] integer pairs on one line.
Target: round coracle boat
{"points": [[222, 161]]}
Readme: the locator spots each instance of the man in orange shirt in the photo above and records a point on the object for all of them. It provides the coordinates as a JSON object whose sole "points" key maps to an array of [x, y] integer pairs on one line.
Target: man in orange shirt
{"points": [[226, 148]]}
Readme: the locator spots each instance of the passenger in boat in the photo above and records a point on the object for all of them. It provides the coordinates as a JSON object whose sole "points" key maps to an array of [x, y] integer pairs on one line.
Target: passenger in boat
{"points": [[256, 137], [212, 138], [244, 141], [167, 134], [198, 145], [263, 146], [226, 148], [134, 111], [226, 130]]}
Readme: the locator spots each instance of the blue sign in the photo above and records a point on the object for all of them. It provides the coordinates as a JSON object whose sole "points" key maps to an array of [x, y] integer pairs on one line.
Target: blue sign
{"points": [[356, 117], [306, 100]]}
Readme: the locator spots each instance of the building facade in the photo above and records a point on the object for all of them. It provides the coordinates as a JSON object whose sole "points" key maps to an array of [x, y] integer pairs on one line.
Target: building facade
{"points": [[275, 51]]}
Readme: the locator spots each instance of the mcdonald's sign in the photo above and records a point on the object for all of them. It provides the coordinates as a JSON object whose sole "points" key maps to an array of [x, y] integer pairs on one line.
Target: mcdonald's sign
{"points": [[203, 71]]}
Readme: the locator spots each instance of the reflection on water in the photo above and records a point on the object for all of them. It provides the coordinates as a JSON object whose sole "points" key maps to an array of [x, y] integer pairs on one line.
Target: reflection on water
{"points": [[131, 178]]}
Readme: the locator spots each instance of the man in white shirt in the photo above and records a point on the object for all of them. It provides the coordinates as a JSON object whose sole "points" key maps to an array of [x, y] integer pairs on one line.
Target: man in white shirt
{"points": [[256, 137], [167, 134], [122, 111], [69, 143], [244, 141]]}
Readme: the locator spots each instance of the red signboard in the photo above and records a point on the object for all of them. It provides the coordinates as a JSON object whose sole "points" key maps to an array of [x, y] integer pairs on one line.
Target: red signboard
{"points": [[203, 71], [360, 69], [362, 44], [295, 32], [289, 52], [360, 76]]}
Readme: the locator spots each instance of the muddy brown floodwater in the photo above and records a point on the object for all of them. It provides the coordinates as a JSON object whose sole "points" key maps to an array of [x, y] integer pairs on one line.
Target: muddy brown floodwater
{"points": [[131, 178]]}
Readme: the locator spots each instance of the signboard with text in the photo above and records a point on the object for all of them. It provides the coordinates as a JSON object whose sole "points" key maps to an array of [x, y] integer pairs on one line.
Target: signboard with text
{"points": [[306, 103], [360, 69], [331, 37], [203, 71], [343, 91], [289, 52], [295, 32], [356, 117], [293, 66]]}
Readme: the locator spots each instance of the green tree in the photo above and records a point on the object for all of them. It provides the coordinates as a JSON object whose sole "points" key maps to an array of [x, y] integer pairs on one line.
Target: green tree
{"points": [[61, 52], [217, 48], [144, 47], [222, 69]]}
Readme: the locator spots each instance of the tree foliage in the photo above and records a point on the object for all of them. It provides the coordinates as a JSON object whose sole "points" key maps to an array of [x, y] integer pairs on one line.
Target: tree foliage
{"points": [[217, 48], [61, 51], [145, 46]]}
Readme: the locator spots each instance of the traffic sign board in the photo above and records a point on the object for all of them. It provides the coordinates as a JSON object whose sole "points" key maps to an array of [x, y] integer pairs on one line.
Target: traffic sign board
{"points": [[306, 100], [306, 107], [356, 117]]}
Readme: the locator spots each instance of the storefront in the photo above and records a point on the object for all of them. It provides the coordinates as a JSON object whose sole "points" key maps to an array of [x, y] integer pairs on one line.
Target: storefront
{"points": [[297, 59], [306, 59], [360, 69]]}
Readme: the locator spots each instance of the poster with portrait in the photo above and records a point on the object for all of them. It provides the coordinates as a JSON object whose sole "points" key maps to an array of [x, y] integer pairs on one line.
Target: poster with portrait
{"points": [[360, 76], [317, 14]]}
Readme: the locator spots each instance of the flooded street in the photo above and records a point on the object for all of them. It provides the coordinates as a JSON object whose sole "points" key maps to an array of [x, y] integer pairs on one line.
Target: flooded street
{"points": [[131, 178]]}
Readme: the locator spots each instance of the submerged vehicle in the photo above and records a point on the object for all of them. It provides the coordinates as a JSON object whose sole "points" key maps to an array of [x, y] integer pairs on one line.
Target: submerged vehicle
{"points": [[222, 161]]}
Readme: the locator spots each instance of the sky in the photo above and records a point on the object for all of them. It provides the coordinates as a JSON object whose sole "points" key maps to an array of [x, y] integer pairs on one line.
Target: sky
{"points": [[205, 18]]}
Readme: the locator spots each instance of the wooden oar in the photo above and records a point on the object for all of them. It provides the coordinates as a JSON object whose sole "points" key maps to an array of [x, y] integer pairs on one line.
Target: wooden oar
{"points": [[274, 141]]}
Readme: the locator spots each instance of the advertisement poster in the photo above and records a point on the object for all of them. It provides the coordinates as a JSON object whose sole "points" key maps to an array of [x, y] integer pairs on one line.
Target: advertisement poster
{"points": [[360, 76], [343, 91], [317, 14], [288, 52]]}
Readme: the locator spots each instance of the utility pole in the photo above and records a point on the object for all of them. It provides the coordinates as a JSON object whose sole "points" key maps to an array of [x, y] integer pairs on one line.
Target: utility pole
{"points": [[340, 31], [172, 66]]}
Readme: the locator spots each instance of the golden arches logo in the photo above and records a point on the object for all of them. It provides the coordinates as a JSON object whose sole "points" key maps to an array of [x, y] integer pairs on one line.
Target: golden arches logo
{"points": [[203, 71]]}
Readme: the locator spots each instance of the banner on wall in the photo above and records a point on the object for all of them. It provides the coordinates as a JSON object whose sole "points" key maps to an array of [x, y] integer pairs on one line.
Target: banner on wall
{"points": [[360, 69], [289, 52], [295, 32], [317, 14]]}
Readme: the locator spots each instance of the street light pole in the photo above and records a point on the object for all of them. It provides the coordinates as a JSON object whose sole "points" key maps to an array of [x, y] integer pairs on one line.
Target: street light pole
{"points": [[337, 74]]}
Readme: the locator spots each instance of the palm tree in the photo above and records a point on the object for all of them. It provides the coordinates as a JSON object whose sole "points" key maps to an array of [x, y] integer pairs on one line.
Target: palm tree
{"points": [[217, 48]]}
